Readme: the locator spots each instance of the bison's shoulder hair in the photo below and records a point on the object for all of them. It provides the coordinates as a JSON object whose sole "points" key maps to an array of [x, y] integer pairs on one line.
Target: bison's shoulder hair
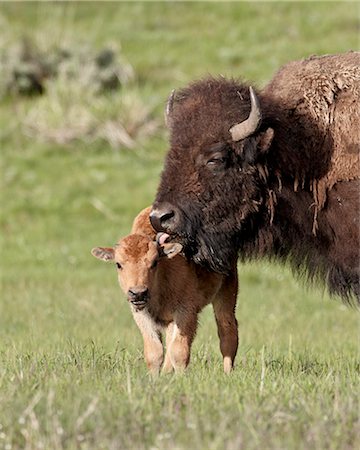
{"points": [[318, 97]]}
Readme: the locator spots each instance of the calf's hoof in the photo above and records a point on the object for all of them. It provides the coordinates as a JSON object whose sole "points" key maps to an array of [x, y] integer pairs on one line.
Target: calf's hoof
{"points": [[228, 365]]}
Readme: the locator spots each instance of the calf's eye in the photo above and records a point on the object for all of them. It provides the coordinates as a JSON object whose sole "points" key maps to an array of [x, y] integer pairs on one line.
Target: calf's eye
{"points": [[118, 265], [154, 264]]}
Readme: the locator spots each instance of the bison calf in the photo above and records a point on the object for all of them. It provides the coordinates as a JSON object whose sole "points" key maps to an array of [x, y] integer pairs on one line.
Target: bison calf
{"points": [[166, 293]]}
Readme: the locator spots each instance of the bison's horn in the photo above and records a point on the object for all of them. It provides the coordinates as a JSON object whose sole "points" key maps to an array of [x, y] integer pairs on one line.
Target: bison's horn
{"points": [[169, 108], [249, 126]]}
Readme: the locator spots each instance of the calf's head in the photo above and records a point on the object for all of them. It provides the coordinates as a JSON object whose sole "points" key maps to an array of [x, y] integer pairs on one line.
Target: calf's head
{"points": [[210, 185], [136, 258]]}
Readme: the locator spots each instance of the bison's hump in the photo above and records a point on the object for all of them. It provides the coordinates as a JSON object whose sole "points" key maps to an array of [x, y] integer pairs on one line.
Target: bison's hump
{"points": [[325, 90]]}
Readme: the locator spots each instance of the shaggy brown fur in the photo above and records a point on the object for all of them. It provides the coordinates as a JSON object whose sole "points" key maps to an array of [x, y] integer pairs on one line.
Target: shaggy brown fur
{"points": [[328, 93], [167, 295], [259, 196]]}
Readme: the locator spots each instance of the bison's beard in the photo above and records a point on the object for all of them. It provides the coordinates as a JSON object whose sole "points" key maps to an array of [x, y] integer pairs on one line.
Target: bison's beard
{"points": [[211, 242], [215, 251]]}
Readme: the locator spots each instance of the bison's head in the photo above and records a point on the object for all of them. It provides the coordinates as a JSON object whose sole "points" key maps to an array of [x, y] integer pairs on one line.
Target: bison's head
{"points": [[211, 183]]}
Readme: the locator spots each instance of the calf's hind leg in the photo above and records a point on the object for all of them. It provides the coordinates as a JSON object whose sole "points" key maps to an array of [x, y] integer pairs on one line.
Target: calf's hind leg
{"points": [[224, 310]]}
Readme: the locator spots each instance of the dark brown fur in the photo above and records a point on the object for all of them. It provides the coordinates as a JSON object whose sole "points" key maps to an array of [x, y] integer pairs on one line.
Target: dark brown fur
{"points": [[295, 197]]}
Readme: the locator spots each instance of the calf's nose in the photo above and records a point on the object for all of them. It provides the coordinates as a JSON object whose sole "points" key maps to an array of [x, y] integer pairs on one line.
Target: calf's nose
{"points": [[163, 217], [138, 294]]}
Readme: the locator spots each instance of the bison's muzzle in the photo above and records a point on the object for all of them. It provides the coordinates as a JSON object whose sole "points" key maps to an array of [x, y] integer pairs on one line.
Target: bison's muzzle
{"points": [[164, 217]]}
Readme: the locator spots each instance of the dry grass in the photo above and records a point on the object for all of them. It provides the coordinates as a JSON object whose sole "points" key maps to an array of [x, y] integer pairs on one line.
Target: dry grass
{"points": [[68, 114]]}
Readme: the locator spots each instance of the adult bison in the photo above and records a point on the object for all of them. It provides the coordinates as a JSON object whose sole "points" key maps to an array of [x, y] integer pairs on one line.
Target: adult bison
{"points": [[271, 174]]}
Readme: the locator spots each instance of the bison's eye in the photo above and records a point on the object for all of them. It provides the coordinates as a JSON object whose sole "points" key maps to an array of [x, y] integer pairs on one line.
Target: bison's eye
{"points": [[217, 155], [216, 161], [118, 265], [154, 264]]}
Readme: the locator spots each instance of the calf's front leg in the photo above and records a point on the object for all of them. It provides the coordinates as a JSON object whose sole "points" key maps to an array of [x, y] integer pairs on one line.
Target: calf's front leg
{"points": [[153, 348]]}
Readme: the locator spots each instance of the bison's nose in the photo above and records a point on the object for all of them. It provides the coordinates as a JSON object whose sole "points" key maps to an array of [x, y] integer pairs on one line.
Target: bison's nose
{"points": [[164, 217], [138, 296]]}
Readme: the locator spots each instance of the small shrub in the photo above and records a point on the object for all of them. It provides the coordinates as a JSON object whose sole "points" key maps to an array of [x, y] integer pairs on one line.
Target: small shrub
{"points": [[77, 93], [29, 69]]}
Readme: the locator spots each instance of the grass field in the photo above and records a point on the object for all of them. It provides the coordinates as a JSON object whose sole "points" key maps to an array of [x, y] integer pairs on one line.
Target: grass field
{"points": [[72, 374]]}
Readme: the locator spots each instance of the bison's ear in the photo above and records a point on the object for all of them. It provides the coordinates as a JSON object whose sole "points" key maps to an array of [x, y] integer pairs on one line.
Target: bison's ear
{"points": [[257, 145], [264, 140], [103, 253], [170, 250]]}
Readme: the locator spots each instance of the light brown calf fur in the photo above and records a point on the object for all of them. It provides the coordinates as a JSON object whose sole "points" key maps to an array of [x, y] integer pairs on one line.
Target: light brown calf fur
{"points": [[142, 224], [166, 293]]}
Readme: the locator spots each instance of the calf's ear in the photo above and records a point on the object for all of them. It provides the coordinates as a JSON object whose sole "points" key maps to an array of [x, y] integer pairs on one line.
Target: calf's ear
{"points": [[103, 253], [170, 250]]}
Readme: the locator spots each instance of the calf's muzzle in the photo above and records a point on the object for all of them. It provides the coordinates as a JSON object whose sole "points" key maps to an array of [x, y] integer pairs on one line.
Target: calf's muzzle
{"points": [[138, 296]]}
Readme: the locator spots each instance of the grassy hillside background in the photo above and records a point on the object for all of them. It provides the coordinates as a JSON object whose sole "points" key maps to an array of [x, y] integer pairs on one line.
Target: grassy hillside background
{"points": [[71, 368]]}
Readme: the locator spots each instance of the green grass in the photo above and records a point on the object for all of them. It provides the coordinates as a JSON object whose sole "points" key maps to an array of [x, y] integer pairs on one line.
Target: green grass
{"points": [[71, 368]]}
